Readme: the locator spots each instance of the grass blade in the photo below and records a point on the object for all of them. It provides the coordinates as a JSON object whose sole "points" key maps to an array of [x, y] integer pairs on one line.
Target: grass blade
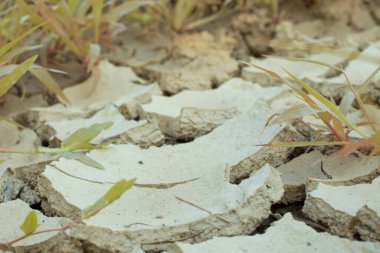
{"points": [[82, 8], [297, 59], [83, 159], [334, 109], [81, 138], [116, 191], [9, 80], [16, 52], [123, 9], [55, 25], [305, 144], [44, 76], [4, 49], [97, 6], [366, 82]]}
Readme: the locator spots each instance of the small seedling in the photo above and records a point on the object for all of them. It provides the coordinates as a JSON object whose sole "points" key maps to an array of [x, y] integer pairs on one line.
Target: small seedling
{"points": [[72, 147], [113, 194], [338, 126], [30, 224]]}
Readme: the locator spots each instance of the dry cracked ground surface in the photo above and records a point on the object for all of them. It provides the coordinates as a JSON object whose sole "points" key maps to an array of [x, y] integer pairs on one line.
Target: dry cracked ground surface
{"points": [[188, 119]]}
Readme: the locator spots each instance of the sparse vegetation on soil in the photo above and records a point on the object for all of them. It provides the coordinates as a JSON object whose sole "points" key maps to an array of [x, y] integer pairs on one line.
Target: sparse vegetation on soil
{"points": [[189, 126]]}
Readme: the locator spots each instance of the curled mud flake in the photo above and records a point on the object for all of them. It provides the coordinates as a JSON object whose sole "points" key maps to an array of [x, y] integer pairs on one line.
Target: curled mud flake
{"points": [[346, 210], [191, 114], [230, 205], [284, 232]]}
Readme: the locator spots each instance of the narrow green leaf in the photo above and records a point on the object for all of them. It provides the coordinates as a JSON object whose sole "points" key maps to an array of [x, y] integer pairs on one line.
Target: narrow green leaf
{"points": [[46, 79], [84, 159], [11, 121], [83, 8], [112, 194], [97, 6], [182, 12], [305, 144], [14, 42], [123, 9], [55, 24], [93, 209], [269, 72], [16, 52], [9, 80], [30, 223], [81, 138], [73, 5], [81, 146], [296, 59], [293, 112], [6, 69], [89, 161], [366, 82], [334, 109], [117, 190]]}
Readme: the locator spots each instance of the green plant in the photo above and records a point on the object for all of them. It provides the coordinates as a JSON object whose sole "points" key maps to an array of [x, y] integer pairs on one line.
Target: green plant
{"points": [[9, 54], [73, 147], [10, 72], [30, 224], [183, 15], [75, 26], [338, 126]]}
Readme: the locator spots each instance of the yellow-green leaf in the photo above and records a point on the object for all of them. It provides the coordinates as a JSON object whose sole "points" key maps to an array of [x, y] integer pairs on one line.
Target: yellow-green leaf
{"points": [[305, 144], [307, 61], [54, 24], [73, 5], [117, 190], [6, 58], [84, 159], [82, 8], [81, 146], [46, 79], [112, 194], [366, 82], [269, 72], [334, 109], [93, 209], [97, 6], [9, 80], [30, 223], [123, 9], [182, 12], [89, 161], [14, 42], [81, 138]]}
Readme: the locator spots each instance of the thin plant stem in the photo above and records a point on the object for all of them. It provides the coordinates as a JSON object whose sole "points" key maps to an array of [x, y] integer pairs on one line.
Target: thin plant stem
{"points": [[75, 223]]}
